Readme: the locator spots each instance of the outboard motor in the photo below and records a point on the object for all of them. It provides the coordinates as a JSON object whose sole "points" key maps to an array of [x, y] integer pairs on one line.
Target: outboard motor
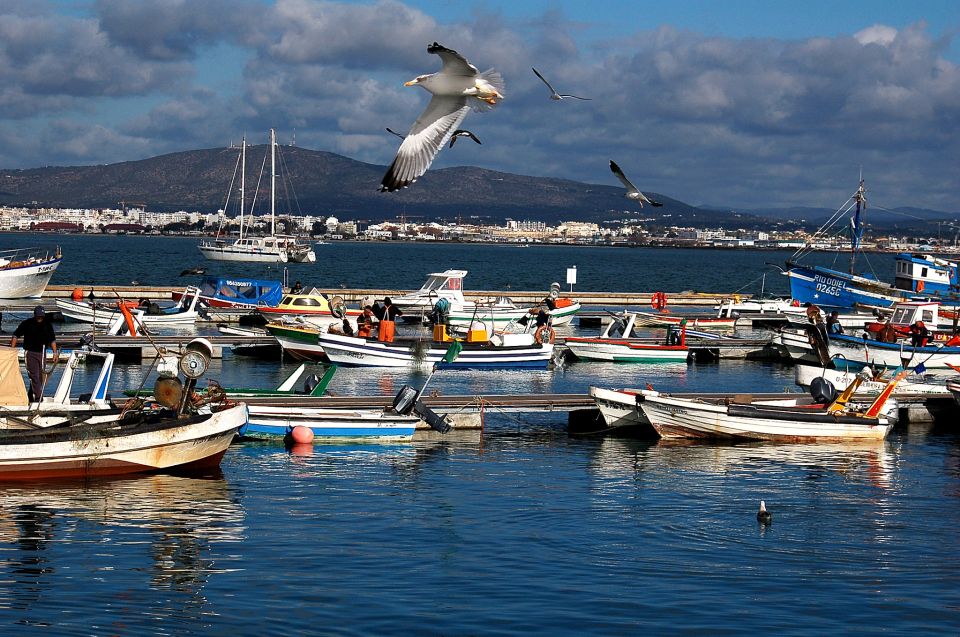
{"points": [[822, 390], [432, 418], [310, 384], [404, 400]]}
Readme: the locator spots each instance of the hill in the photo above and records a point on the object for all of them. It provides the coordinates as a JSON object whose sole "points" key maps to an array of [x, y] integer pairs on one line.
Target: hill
{"points": [[329, 184]]}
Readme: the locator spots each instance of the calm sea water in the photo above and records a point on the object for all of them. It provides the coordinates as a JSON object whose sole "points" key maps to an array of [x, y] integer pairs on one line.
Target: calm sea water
{"points": [[524, 529]]}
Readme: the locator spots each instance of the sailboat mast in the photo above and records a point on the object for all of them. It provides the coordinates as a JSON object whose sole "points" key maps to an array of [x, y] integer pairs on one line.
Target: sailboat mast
{"points": [[857, 235], [273, 181], [243, 175]]}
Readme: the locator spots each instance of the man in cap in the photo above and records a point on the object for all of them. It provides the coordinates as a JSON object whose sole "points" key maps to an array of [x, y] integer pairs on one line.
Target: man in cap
{"points": [[37, 334]]}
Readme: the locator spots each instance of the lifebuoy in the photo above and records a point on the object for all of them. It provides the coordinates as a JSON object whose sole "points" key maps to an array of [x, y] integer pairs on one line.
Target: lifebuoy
{"points": [[795, 303], [658, 301], [544, 334]]}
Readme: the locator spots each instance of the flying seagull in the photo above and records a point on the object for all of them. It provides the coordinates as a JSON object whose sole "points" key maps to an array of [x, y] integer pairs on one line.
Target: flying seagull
{"points": [[553, 92], [455, 89], [463, 133], [393, 132], [632, 191]]}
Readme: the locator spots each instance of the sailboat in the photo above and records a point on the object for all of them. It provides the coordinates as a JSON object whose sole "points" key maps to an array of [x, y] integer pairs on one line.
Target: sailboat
{"points": [[270, 249]]}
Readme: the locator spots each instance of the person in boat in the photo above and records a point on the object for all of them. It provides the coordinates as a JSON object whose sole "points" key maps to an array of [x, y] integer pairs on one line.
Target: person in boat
{"points": [[813, 313], [297, 288], [387, 326], [833, 323], [344, 328], [919, 334], [887, 333], [365, 322], [37, 334]]}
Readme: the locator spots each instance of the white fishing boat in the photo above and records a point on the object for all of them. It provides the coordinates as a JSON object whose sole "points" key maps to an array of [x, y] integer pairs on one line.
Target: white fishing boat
{"points": [[929, 384], [502, 351], [619, 343], [183, 313], [57, 439], [270, 249], [330, 424], [442, 294], [25, 272], [733, 419]]}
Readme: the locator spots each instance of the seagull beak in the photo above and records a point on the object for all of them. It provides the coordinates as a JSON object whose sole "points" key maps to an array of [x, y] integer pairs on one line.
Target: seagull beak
{"points": [[411, 82]]}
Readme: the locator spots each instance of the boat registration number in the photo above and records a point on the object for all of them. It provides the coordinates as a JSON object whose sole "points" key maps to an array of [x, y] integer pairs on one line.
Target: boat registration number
{"points": [[45, 268], [828, 285]]}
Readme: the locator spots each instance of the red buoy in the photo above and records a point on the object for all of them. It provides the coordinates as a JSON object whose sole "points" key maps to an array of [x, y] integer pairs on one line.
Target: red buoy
{"points": [[77, 294], [302, 435]]}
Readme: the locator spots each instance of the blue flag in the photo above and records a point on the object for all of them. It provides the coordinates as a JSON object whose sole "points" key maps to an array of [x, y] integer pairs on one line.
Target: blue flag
{"points": [[920, 368]]}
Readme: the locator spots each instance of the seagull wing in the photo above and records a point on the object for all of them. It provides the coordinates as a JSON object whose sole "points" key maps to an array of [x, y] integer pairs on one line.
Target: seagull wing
{"points": [[453, 62], [623, 178], [393, 132], [576, 97], [544, 80], [463, 133], [429, 133]]}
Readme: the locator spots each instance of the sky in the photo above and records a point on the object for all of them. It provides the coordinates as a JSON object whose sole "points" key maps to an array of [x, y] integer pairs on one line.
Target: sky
{"points": [[746, 104]]}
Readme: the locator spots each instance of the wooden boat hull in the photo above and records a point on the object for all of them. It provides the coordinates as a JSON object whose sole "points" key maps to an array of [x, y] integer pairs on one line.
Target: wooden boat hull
{"points": [[619, 410], [115, 449], [648, 319], [83, 312], [674, 417], [329, 425], [500, 316]]}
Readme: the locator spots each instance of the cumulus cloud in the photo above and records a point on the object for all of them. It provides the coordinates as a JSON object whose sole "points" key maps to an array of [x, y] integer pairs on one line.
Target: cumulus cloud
{"points": [[706, 119]]}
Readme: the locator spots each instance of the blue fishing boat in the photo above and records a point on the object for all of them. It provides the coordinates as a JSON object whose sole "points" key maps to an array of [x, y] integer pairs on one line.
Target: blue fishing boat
{"points": [[831, 288], [237, 293], [828, 287]]}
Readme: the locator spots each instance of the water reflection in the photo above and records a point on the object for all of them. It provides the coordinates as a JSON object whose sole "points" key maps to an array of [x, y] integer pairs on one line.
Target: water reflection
{"points": [[178, 517], [870, 461]]}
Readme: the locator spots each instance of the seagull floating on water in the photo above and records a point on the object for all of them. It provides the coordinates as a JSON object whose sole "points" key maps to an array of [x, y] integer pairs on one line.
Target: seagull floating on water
{"points": [[553, 92], [456, 88], [764, 516], [463, 133], [190, 271], [632, 191]]}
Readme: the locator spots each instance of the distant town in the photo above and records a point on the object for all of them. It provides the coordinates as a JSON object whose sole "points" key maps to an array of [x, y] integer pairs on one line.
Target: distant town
{"points": [[136, 220]]}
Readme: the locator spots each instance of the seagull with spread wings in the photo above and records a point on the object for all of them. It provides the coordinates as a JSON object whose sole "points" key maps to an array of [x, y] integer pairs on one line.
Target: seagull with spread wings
{"points": [[632, 191], [553, 92], [463, 133], [456, 88]]}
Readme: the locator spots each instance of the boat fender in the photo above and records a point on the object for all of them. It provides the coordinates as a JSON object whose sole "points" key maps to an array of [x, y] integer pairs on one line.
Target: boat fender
{"points": [[544, 334]]}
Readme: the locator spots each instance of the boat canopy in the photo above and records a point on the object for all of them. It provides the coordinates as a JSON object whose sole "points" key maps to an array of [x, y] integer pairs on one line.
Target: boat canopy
{"points": [[448, 280], [251, 291]]}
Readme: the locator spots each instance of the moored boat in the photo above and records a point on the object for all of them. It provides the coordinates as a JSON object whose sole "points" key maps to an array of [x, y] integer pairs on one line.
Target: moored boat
{"points": [[239, 293], [618, 343], [25, 272], [183, 313]]}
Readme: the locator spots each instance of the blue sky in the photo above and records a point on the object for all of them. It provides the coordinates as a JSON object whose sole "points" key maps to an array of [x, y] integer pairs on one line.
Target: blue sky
{"points": [[747, 104]]}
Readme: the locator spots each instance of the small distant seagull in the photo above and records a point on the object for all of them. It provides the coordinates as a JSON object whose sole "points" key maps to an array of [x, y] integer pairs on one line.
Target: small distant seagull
{"points": [[193, 271], [632, 191], [553, 92], [393, 132], [134, 282], [455, 89], [463, 133]]}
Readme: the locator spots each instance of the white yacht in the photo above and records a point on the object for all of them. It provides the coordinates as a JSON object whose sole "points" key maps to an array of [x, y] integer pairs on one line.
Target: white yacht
{"points": [[270, 249]]}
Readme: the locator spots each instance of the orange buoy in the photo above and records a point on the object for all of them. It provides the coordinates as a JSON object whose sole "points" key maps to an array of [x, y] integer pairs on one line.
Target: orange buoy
{"points": [[301, 435], [77, 294]]}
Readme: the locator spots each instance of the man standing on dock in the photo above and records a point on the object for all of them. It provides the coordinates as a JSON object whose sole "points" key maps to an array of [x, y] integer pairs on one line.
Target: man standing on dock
{"points": [[37, 334]]}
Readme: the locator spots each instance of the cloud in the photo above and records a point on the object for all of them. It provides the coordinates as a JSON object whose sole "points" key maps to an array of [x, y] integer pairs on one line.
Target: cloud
{"points": [[706, 119]]}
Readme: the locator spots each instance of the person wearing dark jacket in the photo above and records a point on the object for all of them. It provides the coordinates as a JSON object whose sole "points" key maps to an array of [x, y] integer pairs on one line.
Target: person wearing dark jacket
{"points": [[37, 334]]}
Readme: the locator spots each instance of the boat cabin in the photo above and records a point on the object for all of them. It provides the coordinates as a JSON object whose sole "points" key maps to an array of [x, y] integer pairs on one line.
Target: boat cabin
{"points": [[439, 285], [926, 274]]}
